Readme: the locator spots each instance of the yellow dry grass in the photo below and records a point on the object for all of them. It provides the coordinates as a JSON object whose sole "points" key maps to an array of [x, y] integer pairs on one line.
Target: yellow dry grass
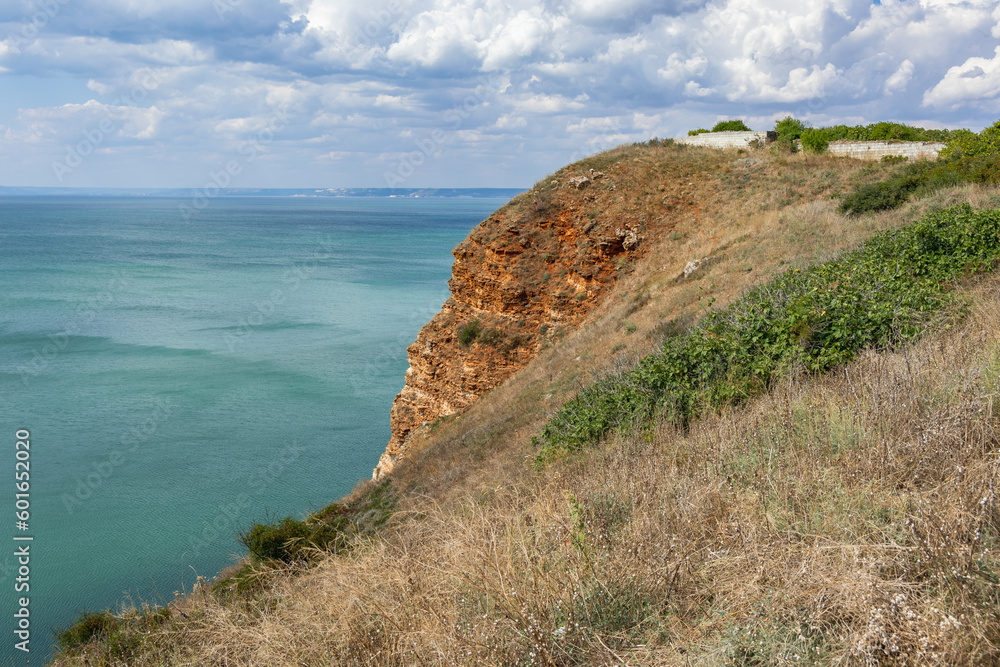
{"points": [[842, 519]]}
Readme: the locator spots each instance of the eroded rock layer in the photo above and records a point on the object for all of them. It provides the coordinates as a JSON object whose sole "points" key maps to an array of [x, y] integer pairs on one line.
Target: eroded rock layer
{"points": [[533, 268]]}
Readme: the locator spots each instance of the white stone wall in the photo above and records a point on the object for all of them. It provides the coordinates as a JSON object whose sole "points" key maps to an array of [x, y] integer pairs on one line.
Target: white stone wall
{"points": [[725, 139], [876, 150]]}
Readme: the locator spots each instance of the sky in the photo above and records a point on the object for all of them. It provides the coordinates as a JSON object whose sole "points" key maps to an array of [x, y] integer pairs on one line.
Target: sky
{"points": [[453, 93]]}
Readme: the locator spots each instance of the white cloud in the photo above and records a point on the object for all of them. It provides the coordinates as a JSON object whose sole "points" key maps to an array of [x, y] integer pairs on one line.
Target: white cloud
{"points": [[356, 78], [694, 89], [508, 122], [678, 68], [900, 78], [440, 39], [751, 83], [72, 122], [514, 41], [548, 104], [975, 81], [601, 124]]}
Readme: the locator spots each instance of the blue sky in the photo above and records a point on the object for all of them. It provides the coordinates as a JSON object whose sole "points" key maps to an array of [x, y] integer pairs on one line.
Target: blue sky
{"points": [[453, 93]]}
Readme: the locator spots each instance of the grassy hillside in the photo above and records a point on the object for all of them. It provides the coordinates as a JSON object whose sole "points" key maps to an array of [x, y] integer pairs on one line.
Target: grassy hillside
{"points": [[842, 511]]}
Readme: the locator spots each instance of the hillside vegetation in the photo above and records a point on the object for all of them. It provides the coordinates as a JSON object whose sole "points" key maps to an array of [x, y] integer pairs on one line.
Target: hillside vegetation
{"points": [[786, 456], [967, 157]]}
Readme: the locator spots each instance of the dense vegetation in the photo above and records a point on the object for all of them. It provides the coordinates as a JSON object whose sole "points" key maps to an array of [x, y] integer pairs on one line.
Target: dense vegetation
{"points": [[879, 295], [967, 158], [723, 126], [818, 138]]}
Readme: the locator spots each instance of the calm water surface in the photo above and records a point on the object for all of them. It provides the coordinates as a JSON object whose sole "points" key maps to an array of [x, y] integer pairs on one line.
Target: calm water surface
{"points": [[183, 379]]}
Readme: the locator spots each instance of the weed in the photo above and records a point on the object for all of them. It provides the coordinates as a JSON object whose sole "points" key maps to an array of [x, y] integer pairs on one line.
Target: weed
{"points": [[468, 333]]}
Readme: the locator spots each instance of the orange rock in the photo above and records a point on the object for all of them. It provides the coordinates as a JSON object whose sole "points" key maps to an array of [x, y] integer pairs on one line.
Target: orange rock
{"points": [[540, 262]]}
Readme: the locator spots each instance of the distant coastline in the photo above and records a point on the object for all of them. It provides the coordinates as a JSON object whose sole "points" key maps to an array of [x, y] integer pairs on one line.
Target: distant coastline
{"points": [[477, 193]]}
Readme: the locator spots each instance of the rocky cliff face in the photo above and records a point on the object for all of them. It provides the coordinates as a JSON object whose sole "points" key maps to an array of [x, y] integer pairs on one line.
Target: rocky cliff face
{"points": [[533, 268]]}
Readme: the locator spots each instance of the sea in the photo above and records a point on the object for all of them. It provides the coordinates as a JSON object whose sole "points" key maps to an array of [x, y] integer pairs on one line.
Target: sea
{"points": [[170, 376]]}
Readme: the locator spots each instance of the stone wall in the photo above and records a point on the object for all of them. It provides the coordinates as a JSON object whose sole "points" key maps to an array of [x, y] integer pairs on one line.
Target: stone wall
{"points": [[728, 139], [876, 150]]}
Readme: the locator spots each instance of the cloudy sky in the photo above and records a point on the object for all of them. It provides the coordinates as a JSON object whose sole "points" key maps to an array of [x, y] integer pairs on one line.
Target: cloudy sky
{"points": [[453, 93]]}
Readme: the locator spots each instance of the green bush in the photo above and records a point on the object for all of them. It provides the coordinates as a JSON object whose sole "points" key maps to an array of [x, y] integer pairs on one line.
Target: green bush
{"points": [[731, 126], [468, 333], [88, 625], [491, 337], [281, 541], [111, 640], [701, 130], [815, 140], [887, 194], [879, 295], [967, 144], [789, 128], [968, 157], [329, 529]]}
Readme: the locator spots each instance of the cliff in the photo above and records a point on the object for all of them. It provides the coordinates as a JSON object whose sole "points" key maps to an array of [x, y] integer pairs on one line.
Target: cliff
{"points": [[530, 272], [840, 517]]}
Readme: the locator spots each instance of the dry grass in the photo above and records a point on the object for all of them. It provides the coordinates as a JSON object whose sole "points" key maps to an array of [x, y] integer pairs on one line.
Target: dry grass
{"points": [[846, 519]]}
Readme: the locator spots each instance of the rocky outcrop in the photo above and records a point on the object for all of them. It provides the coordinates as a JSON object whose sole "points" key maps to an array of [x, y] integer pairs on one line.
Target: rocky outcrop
{"points": [[533, 268]]}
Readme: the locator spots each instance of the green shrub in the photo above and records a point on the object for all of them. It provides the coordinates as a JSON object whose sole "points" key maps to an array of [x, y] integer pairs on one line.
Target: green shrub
{"points": [[789, 128], [968, 157], [281, 541], [967, 144], [815, 140], [111, 640], [468, 333], [701, 130], [731, 126], [329, 529], [887, 194], [879, 295], [89, 625]]}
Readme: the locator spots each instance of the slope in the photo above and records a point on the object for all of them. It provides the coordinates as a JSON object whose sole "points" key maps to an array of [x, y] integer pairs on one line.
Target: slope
{"points": [[847, 516]]}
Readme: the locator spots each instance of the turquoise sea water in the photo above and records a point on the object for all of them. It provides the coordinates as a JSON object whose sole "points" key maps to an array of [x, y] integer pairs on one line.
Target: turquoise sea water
{"points": [[183, 379]]}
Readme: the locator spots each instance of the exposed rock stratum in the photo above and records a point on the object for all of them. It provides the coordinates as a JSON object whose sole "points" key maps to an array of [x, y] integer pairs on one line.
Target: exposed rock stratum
{"points": [[533, 269]]}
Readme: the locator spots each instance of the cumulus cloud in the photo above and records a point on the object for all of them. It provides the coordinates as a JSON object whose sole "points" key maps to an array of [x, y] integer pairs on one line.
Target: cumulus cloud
{"points": [[976, 81], [900, 78], [90, 118], [188, 80]]}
